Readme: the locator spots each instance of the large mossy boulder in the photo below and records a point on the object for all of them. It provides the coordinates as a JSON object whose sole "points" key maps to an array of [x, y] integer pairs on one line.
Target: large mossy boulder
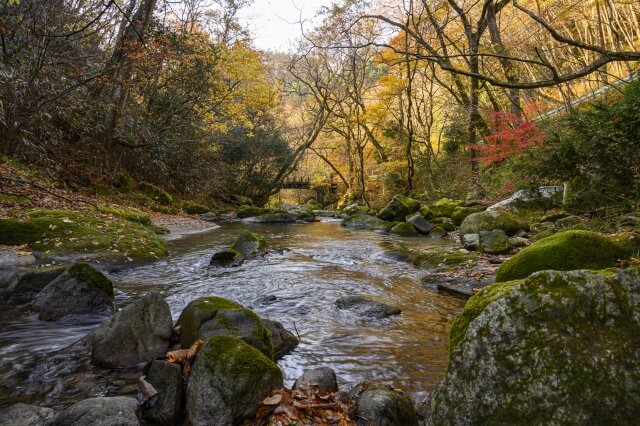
{"points": [[541, 198], [302, 213], [404, 229], [570, 250], [139, 332], [228, 381], [398, 208], [420, 223], [211, 316], [493, 242], [460, 213], [382, 406], [554, 348], [488, 221], [101, 411], [362, 221], [250, 245], [81, 289], [227, 258], [245, 211], [444, 207]]}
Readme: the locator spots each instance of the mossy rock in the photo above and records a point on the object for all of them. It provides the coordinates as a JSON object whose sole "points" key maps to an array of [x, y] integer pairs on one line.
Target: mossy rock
{"points": [[228, 381], [249, 211], [131, 214], [195, 208], [361, 220], [554, 348], [86, 273], [444, 207], [383, 406], [24, 286], [226, 258], [569, 250], [65, 231], [494, 242], [438, 232], [426, 212], [404, 229], [398, 208], [352, 209], [215, 316], [124, 183], [490, 220], [250, 245], [159, 195], [460, 213]]}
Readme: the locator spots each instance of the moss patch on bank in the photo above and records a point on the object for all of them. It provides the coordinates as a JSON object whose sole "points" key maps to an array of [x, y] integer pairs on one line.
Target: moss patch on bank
{"points": [[67, 232]]}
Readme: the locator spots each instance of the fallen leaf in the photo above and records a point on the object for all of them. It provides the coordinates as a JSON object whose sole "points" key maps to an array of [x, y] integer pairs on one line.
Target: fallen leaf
{"points": [[273, 400]]}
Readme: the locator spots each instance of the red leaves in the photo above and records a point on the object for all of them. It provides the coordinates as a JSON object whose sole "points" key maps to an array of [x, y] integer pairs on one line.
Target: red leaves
{"points": [[510, 135]]}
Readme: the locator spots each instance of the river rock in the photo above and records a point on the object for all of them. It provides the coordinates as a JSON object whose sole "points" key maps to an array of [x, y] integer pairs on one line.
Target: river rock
{"points": [[228, 381], [404, 229], [81, 289], [460, 213], [444, 207], [272, 218], [569, 250], [245, 211], [303, 213], [226, 258], [26, 415], [437, 232], [352, 209], [398, 208], [362, 221], [250, 245], [322, 379], [382, 406], [139, 332], [23, 286], [541, 198], [101, 411], [567, 222], [494, 242], [490, 220], [283, 340], [420, 223], [471, 241], [214, 316], [554, 348], [367, 307], [325, 213], [166, 378]]}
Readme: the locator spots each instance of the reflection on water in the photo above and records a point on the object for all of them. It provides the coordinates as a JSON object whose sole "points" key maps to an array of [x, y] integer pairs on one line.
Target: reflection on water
{"points": [[311, 266]]}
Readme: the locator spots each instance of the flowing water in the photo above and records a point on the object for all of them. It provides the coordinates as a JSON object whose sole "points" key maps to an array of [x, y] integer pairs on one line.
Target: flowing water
{"points": [[310, 266]]}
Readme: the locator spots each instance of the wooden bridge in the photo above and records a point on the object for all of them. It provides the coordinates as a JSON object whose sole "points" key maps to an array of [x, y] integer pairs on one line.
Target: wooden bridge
{"points": [[297, 182]]}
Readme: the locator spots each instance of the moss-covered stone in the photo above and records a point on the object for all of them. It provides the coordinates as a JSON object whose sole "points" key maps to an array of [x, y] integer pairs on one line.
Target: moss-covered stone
{"points": [[363, 221], [228, 257], [159, 195], [494, 242], [490, 220], [554, 348], [460, 213], [195, 208], [124, 183], [444, 207], [250, 245], [65, 231], [404, 229], [569, 250], [398, 208], [131, 214], [249, 211], [86, 273], [438, 232], [228, 381], [426, 212]]}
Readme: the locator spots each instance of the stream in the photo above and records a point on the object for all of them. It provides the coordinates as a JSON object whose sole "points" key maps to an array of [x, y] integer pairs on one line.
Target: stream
{"points": [[310, 266]]}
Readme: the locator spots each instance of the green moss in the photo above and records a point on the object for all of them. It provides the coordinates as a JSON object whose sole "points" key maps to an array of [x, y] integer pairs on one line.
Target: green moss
{"points": [[444, 207], [237, 359], [194, 208], [65, 231], [474, 306], [543, 234], [124, 183], [13, 199], [214, 304], [566, 251], [404, 229], [131, 214], [246, 241], [102, 190], [460, 213], [249, 211], [157, 194], [433, 259], [86, 273], [426, 212], [488, 221]]}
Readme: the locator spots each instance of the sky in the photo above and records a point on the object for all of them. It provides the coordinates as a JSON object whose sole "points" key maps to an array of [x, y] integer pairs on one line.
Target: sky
{"points": [[275, 25]]}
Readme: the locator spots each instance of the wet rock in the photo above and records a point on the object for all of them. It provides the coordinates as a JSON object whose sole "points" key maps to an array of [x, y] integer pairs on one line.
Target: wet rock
{"points": [[325, 213], [283, 340], [361, 221], [568, 251], [214, 316], [456, 290], [266, 299], [228, 381], [81, 289], [250, 245], [303, 213], [352, 209], [101, 411], [382, 406], [367, 307], [518, 241], [554, 348], [26, 415], [398, 208], [139, 332], [226, 258], [166, 378], [437, 232], [494, 242], [490, 220], [404, 229], [322, 379], [273, 218], [420, 223], [397, 255], [24, 286], [471, 241], [541, 198]]}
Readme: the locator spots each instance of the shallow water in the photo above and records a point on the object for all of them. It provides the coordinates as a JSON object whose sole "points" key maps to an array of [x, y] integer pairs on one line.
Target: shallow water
{"points": [[311, 265]]}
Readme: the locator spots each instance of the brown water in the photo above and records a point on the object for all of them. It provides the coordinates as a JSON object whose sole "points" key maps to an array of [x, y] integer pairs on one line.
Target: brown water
{"points": [[310, 267]]}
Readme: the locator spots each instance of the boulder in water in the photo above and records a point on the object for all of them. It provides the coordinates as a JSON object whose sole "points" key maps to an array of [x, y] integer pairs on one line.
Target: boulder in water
{"points": [[382, 406], [250, 245], [420, 223], [404, 229], [81, 289], [283, 340], [228, 257], [23, 286], [139, 332], [228, 381], [362, 221], [166, 378], [26, 415], [322, 379], [101, 411], [273, 218], [367, 307]]}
